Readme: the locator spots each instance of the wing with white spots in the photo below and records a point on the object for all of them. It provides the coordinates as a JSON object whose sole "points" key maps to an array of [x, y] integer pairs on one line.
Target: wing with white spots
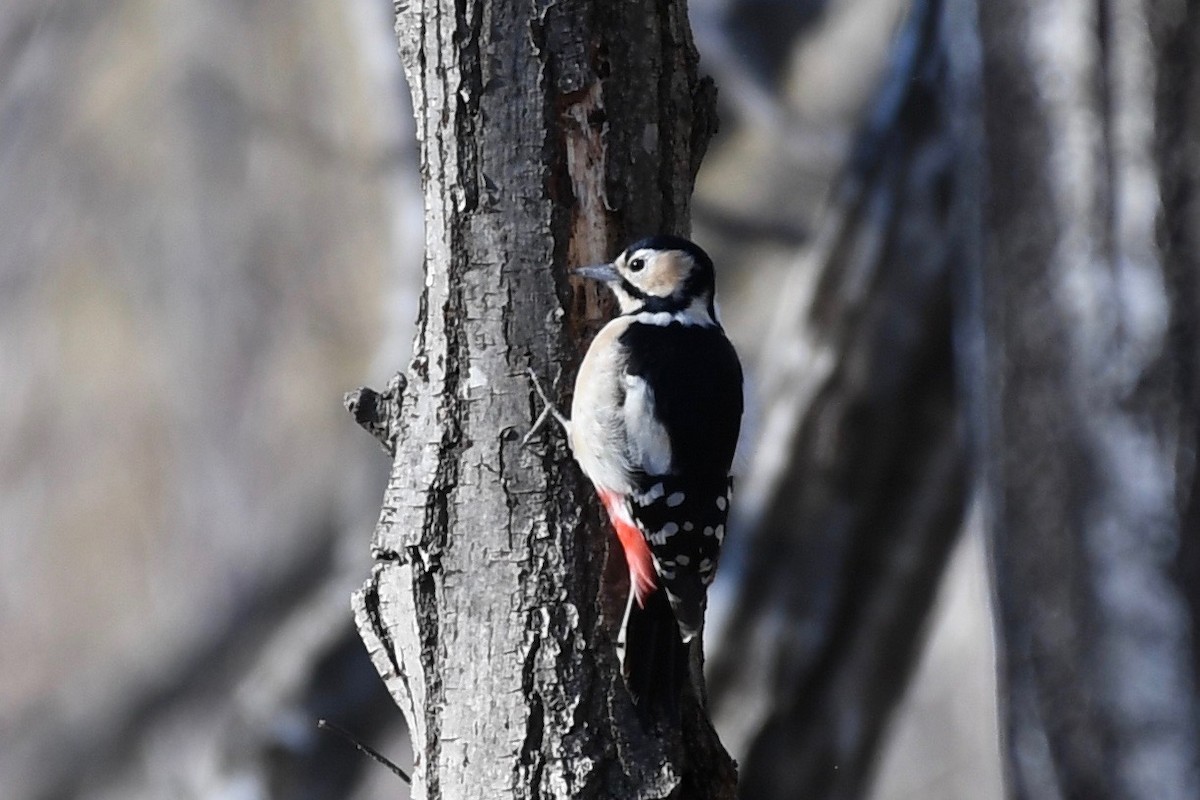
{"points": [[684, 523]]}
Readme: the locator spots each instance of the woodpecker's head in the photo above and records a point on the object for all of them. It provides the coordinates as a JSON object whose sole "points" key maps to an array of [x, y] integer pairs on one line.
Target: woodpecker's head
{"points": [[661, 274]]}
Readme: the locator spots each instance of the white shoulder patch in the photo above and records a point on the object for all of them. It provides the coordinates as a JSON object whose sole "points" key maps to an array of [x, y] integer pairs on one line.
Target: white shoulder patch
{"points": [[647, 439]]}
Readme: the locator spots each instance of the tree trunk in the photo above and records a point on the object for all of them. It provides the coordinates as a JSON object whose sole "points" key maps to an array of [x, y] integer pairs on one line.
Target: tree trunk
{"points": [[859, 484], [1087, 315], [550, 135]]}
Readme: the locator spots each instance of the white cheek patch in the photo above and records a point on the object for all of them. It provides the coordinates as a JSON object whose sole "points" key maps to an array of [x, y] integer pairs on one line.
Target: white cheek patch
{"points": [[664, 272]]}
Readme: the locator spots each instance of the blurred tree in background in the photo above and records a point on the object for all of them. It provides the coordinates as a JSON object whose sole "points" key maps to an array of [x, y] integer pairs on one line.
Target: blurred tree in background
{"points": [[207, 212], [955, 249], [1082, 321]]}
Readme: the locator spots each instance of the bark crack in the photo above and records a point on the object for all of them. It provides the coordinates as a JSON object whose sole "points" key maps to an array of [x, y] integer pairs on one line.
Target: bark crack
{"points": [[532, 762], [370, 606], [467, 23]]}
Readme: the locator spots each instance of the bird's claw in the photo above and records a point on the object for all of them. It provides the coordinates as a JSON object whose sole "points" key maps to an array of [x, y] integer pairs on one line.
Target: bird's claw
{"points": [[549, 410]]}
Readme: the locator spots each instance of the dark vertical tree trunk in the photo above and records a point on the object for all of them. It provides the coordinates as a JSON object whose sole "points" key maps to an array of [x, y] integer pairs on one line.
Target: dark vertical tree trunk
{"points": [[1087, 312], [860, 482], [551, 133]]}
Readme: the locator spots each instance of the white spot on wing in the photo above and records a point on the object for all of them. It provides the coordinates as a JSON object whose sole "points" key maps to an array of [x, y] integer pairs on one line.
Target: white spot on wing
{"points": [[721, 503], [675, 499], [682, 560], [656, 491], [668, 530]]}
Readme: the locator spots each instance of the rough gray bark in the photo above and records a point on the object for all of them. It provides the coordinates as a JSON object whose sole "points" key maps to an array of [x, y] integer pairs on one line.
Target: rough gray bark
{"points": [[858, 486], [550, 134], [1086, 318]]}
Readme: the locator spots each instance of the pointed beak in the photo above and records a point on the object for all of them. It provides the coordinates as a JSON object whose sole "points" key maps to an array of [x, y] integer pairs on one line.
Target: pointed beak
{"points": [[605, 273]]}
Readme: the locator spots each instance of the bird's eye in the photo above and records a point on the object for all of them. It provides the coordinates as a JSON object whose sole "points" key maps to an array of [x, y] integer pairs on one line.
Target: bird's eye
{"points": [[637, 264]]}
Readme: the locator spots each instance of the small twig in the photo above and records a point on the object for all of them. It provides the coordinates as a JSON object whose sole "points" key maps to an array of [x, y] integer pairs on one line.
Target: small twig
{"points": [[326, 725]]}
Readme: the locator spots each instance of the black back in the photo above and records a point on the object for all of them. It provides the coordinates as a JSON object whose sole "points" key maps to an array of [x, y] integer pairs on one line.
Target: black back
{"points": [[696, 380]]}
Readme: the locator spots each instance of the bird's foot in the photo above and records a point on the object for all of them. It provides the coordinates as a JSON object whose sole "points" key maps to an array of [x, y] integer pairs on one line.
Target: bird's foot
{"points": [[549, 410]]}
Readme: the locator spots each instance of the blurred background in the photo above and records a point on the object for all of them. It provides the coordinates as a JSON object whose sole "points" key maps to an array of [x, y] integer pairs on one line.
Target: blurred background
{"points": [[211, 228]]}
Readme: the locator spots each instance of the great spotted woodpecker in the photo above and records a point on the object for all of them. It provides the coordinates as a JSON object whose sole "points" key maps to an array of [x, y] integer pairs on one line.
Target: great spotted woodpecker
{"points": [[654, 424]]}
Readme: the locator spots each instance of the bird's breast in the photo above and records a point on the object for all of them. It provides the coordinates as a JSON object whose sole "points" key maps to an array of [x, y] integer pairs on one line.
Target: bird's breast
{"points": [[597, 424]]}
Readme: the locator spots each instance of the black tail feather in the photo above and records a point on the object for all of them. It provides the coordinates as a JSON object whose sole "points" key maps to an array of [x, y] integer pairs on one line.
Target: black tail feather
{"points": [[656, 658]]}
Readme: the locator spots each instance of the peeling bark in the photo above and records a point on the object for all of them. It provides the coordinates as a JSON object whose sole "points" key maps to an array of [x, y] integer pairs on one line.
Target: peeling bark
{"points": [[550, 135]]}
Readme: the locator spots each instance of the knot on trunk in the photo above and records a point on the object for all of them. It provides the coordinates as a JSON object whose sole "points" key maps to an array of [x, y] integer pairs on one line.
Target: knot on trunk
{"points": [[379, 412]]}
